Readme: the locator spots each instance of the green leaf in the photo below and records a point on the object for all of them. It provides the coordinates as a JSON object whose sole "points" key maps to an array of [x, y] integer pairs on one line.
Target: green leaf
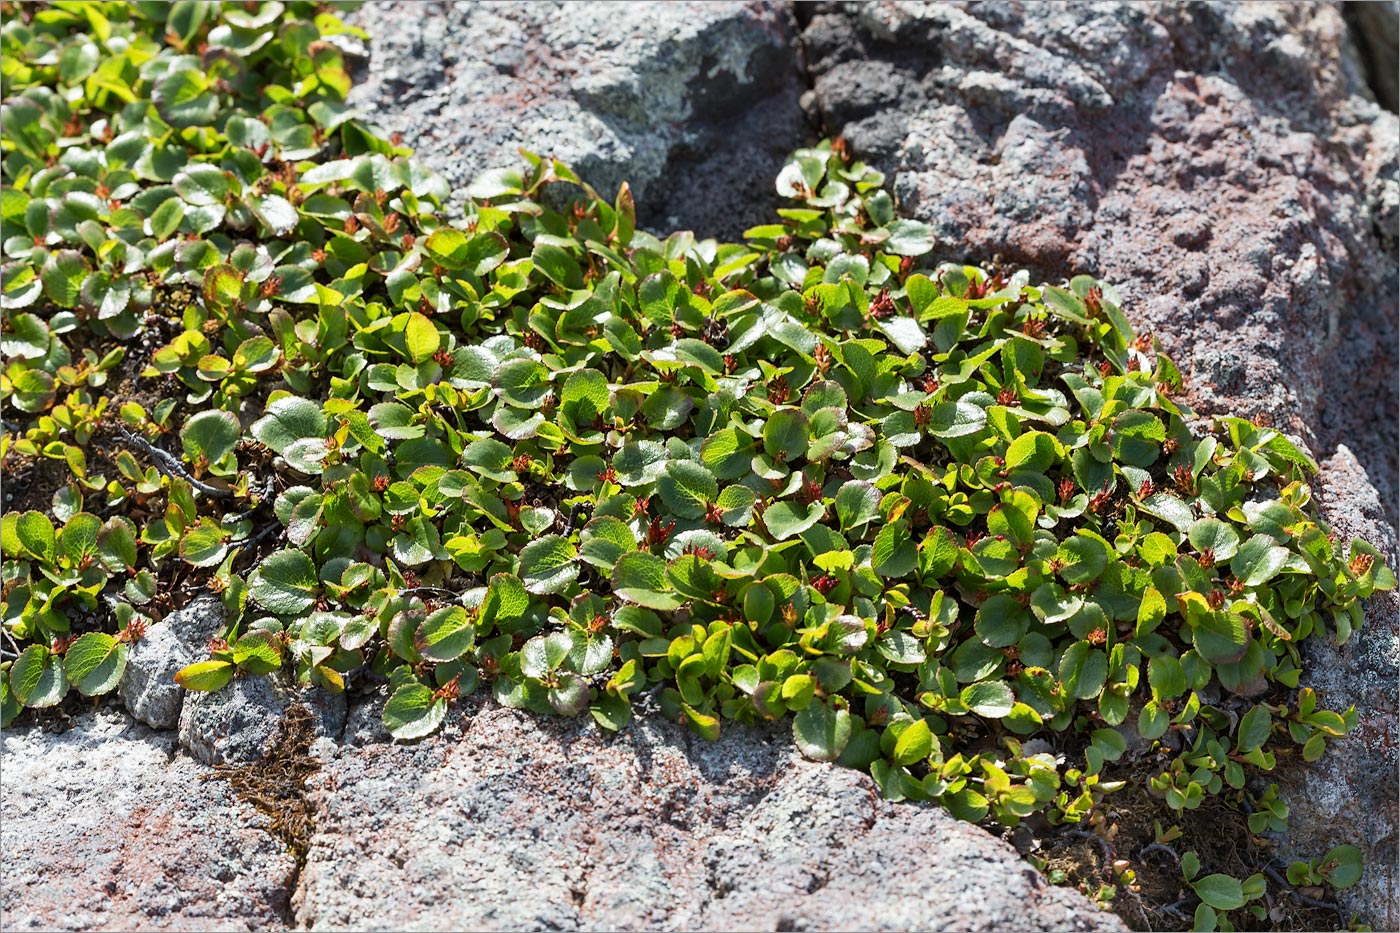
{"points": [[1084, 559], [1001, 621], [1211, 534], [77, 61], [211, 435], [639, 462], [1341, 866], [285, 583], [505, 603], [548, 564], [412, 712], [1166, 677], [523, 383], [184, 99], [990, 698], [788, 519], [206, 676], [857, 502], [785, 435], [1083, 670], [203, 544], [445, 635], [258, 652], [288, 420], [1034, 450], [275, 212], [894, 554], [736, 505], [201, 184], [1254, 729], [687, 487], [822, 731], [37, 677], [27, 338], [956, 419], [1220, 891], [1258, 560], [63, 275], [640, 578], [36, 535], [421, 337], [915, 743]]}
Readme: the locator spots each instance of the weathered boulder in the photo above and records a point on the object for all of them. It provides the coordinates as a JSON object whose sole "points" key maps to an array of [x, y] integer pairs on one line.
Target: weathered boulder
{"points": [[1224, 166], [108, 827], [506, 821], [239, 723], [148, 685], [693, 104], [502, 821]]}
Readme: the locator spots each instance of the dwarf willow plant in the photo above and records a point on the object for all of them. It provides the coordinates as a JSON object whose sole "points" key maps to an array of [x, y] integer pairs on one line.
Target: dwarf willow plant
{"points": [[927, 512]]}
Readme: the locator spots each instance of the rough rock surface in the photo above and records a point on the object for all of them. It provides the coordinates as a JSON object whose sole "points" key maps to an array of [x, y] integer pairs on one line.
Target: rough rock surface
{"points": [[503, 821], [546, 824], [239, 723], [148, 685], [108, 827], [1224, 166], [694, 104]]}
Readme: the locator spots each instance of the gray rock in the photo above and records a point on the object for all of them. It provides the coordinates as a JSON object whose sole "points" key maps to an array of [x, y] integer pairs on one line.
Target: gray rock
{"points": [[108, 827], [148, 685], [694, 104], [364, 721], [506, 821], [238, 723]]}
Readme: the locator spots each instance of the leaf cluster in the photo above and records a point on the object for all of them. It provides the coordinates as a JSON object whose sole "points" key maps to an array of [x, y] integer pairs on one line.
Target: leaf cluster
{"points": [[928, 512]]}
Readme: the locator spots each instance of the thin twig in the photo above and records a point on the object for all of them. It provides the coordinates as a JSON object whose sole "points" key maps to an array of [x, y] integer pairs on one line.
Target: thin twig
{"points": [[14, 645], [1159, 847], [171, 465], [264, 497], [1302, 898], [440, 590], [1104, 847], [257, 537]]}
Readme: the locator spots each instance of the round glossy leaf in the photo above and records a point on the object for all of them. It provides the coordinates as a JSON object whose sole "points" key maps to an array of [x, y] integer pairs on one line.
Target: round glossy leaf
{"points": [[1220, 891], [211, 435], [1216, 536], [687, 488], [285, 583], [412, 712], [205, 675], [37, 677], [990, 698], [548, 564], [822, 731], [445, 634]]}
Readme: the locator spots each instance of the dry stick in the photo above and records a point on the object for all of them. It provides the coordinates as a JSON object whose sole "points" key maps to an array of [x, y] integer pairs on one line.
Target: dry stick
{"points": [[1159, 847], [1104, 846], [1303, 898], [172, 467]]}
